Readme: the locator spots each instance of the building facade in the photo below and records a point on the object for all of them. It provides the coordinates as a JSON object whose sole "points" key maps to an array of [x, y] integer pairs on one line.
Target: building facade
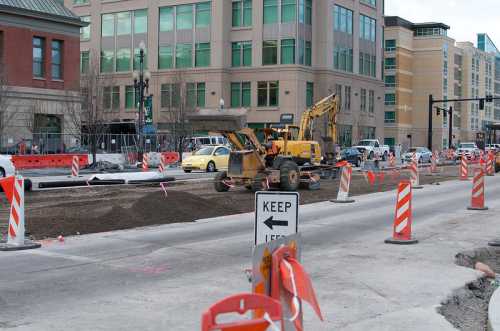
{"points": [[39, 70], [485, 44], [420, 60], [273, 57]]}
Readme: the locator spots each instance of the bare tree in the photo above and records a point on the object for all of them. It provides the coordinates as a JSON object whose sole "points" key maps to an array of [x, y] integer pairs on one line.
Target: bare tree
{"points": [[89, 115], [179, 103]]}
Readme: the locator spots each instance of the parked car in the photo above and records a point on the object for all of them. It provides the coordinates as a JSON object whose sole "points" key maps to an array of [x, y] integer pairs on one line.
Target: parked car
{"points": [[6, 166], [209, 158], [373, 147], [492, 147], [351, 155], [468, 150], [423, 154]]}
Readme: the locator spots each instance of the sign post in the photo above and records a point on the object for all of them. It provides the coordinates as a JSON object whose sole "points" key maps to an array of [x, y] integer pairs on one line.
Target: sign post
{"points": [[276, 215]]}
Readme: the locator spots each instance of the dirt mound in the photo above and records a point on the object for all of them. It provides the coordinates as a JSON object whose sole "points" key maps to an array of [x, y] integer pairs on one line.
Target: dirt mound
{"points": [[107, 215]]}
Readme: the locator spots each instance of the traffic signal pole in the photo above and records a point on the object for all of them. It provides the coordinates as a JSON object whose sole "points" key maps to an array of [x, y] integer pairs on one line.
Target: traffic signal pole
{"points": [[488, 99]]}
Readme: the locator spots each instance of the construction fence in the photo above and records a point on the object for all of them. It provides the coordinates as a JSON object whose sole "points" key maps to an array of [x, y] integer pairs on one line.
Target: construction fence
{"points": [[52, 143]]}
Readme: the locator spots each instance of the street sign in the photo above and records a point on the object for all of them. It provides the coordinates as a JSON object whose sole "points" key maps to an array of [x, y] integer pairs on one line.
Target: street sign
{"points": [[276, 215]]}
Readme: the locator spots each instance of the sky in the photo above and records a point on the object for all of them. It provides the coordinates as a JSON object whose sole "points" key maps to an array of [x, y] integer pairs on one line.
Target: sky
{"points": [[465, 17]]}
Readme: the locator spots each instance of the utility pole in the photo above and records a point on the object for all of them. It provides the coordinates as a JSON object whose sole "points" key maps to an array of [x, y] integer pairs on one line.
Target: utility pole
{"points": [[429, 132], [450, 128]]}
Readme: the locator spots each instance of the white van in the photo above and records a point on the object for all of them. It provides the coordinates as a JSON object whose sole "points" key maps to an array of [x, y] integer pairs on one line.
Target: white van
{"points": [[207, 141]]}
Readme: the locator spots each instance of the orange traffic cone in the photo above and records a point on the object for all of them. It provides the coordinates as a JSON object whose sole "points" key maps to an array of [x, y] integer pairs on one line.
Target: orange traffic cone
{"points": [[403, 217], [477, 198]]}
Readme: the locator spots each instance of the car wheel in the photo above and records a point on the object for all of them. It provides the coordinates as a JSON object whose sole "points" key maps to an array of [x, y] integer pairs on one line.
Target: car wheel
{"points": [[211, 166], [187, 171], [384, 158], [371, 155], [358, 162], [2, 173]]}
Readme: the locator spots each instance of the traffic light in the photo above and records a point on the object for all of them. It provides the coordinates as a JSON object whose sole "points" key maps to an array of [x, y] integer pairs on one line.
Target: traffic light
{"points": [[489, 98], [438, 111], [481, 104]]}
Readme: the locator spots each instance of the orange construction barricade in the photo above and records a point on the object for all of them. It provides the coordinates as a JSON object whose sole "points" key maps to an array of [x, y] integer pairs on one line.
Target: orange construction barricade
{"points": [[241, 303]]}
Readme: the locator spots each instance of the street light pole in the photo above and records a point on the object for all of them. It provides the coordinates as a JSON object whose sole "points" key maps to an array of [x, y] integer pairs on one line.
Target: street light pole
{"points": [[141, 85], [429, 132], [450, 128]]}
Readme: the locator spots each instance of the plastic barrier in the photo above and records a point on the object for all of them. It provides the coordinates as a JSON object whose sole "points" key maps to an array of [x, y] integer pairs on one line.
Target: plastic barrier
{"points": [[171, 157], [48, 161], [241, 303], [477, 196], [345, 183], [403, 217]]}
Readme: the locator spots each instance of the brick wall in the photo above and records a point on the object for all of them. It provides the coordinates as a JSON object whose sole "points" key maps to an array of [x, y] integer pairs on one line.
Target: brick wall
{"points": [[18, 58]]}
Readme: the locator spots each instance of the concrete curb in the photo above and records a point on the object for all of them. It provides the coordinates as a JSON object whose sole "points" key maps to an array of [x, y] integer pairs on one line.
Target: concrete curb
{"points": [[494, 311]]}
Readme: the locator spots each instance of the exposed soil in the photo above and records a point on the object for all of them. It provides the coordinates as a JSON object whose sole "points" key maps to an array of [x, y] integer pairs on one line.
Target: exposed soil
{"points": [[467, 308], [97, 209]]}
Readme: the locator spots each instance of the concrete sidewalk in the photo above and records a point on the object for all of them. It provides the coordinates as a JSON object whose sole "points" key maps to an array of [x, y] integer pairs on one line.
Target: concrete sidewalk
{"points": [[162, 278]]}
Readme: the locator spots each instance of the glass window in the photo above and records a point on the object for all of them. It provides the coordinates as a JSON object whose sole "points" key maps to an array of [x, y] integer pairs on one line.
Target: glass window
{"points": [[123, 24], [108, 25], [308, 12], [268, 94], [240, 94], [309, 94], [342, 19], [370, 2], [362, 97], [184, 18], [270, 11], [80, 2], [242, 13], [165, 57], [115, 98], [190, 94], [390, 81], [236, 50], [107, 61], [123, 59], [84, 62], [166, 19], [85, 31], [165, 96], [390, 63], [270, 52], [371, 101], [390, 45], [106, 97], [237, 13], [235, 95], [308, 58], [56, 59], [137, 58], [288, 11], [347, 99], [184, 56], [390, 99], [390, 117], [202, 55], [200, 94], [203, 14], [288, 51], [129, 97], [367, 28], [141, 21]]}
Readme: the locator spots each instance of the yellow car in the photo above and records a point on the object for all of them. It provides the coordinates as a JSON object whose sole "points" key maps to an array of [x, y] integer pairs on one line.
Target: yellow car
{"points": [[210, 159]]}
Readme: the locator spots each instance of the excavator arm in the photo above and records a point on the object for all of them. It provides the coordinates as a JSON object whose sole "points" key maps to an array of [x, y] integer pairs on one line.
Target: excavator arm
{"points": [[329, 106]]}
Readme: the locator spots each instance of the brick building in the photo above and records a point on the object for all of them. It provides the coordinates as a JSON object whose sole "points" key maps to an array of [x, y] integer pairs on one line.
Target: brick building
{"points": [[39, 70]]}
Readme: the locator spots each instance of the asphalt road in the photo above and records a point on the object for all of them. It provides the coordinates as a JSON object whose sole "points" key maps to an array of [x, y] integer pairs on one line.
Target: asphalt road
{"points": [[162, 278]]}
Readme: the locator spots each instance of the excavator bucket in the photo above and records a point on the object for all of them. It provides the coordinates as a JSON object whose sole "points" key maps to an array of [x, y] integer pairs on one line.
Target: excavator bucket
{"points": [[231, 119]]}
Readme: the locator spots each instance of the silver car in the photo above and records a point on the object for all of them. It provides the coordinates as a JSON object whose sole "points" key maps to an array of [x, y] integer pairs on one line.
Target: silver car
{"points": [[423, 154]]}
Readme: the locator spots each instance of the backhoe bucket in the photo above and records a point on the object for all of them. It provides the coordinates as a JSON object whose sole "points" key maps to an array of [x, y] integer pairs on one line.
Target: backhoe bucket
{"points": [[232, 119]]}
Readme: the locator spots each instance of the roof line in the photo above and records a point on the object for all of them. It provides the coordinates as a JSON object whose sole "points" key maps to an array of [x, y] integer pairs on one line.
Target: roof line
{"points": [[42, 15]]}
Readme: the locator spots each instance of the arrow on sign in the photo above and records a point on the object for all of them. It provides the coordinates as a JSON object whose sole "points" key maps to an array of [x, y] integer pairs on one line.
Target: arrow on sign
{"points": [[270, 223]]}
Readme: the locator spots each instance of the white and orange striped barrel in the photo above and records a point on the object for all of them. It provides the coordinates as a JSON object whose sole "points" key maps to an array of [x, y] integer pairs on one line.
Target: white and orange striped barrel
{"points": [[414, 176], [161, 167], [345, 183], [16, 218], [464, 168], [490, 170], [392, 160], [477, 197], [145, 162], [75, 166], [403, 216]]}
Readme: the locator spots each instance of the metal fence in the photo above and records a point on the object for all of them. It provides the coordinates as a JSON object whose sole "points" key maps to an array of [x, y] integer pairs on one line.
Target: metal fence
{"points": [[51, 143]]}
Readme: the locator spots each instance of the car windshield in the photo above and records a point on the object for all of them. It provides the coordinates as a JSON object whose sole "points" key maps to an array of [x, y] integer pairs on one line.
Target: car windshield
{"points": [[412, 150], [365, 143], [204, 151], [467, 146]]}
